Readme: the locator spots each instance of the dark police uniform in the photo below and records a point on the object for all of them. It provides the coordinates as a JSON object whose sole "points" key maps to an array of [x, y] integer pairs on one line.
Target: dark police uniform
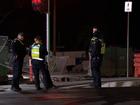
{"points": [[19, 52], [38, 53], [96, 50]]}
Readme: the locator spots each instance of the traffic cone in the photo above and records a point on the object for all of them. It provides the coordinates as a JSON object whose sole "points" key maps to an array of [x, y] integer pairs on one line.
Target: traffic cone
{"points": [[30, 71]]}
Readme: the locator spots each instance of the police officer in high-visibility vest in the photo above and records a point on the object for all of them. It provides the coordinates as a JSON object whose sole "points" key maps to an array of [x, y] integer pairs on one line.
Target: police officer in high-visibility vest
{"points": [[37, 53], [96, 51]]}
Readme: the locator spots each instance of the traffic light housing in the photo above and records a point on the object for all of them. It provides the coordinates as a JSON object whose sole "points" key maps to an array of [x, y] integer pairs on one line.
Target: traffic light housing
{"points": [[40, 5]]}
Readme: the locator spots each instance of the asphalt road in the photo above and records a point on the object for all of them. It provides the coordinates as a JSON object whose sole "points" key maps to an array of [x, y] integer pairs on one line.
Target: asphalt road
{"points": [[70, 96]]}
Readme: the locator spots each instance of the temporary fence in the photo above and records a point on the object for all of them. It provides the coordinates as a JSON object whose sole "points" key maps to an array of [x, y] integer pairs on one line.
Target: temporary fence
{"points": [[4, 57]]}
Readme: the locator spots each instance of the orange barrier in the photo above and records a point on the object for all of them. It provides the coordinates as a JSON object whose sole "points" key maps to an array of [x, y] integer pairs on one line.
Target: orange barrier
{"points": [[137, 55], [30, 71], [137, 60], [137, 64]]}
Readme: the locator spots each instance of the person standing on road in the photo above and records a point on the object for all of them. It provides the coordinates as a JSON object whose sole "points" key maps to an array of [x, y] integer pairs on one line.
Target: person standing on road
{"points": [[19, 52], [96, 51], [37, 54]]}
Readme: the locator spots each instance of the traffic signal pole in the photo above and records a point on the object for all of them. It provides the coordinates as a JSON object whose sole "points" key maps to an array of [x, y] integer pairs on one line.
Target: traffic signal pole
{"points": [[54, 27], [48, 27]]}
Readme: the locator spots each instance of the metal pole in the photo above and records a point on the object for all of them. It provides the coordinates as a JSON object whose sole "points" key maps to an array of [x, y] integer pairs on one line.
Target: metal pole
{"points": [[128, 44], [48, 27], [54, 27], [47, 32]]}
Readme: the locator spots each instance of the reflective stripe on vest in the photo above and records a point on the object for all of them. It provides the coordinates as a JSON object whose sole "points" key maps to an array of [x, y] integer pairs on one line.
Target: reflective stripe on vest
{"points": [[103, 48], [35, 52], [93, 40], [102, 44]]}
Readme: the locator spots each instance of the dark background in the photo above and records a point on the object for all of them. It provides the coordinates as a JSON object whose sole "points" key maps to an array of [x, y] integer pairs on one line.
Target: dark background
{"points": [[74, 21]]}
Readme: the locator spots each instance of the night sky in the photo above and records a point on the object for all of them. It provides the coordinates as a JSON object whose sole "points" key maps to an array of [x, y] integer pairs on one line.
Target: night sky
{"points": [[74, 20], [77, 20]]}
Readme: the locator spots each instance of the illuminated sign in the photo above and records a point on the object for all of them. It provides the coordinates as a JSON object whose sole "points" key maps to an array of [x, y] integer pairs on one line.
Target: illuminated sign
{"points": [[128, 6]]}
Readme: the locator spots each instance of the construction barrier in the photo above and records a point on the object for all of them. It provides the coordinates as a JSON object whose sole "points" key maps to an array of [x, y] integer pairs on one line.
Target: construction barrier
{"points": [[115, 62], [137, 64], [4, 67]]}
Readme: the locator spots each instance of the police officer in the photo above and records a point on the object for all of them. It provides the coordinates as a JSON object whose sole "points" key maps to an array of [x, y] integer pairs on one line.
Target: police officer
{"points": [[19, 52], [96, 51], [37, 53]]}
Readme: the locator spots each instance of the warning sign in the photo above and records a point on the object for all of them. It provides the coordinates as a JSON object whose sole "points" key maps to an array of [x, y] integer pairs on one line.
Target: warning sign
{"points": [[128, 6]]}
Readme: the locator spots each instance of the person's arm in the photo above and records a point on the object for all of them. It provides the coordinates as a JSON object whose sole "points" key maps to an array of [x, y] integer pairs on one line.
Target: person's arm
{"points": [[94, 48], [15, 48], [29, 52], [45, 50]]}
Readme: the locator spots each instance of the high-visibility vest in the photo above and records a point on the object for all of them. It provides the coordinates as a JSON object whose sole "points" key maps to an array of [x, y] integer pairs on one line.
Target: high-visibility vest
{"points": [[103, 48], [102, 44], [93, 40], [35, 52]]}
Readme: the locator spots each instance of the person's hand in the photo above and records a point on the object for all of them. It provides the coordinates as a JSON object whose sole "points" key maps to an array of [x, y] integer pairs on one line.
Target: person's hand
{"points": [[29, 58], [30, 62]]}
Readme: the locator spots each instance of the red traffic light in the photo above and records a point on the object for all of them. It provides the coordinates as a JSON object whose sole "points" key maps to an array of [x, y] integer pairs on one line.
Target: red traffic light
{"points": [[36, 4]]}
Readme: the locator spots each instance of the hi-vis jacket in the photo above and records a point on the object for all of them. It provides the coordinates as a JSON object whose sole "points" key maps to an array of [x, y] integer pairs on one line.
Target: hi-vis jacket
{"points": [[97, 47], [38, 52]]}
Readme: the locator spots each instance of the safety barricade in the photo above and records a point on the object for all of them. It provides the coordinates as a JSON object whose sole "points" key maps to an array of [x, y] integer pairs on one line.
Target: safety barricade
{"points": [[137, 65]]}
